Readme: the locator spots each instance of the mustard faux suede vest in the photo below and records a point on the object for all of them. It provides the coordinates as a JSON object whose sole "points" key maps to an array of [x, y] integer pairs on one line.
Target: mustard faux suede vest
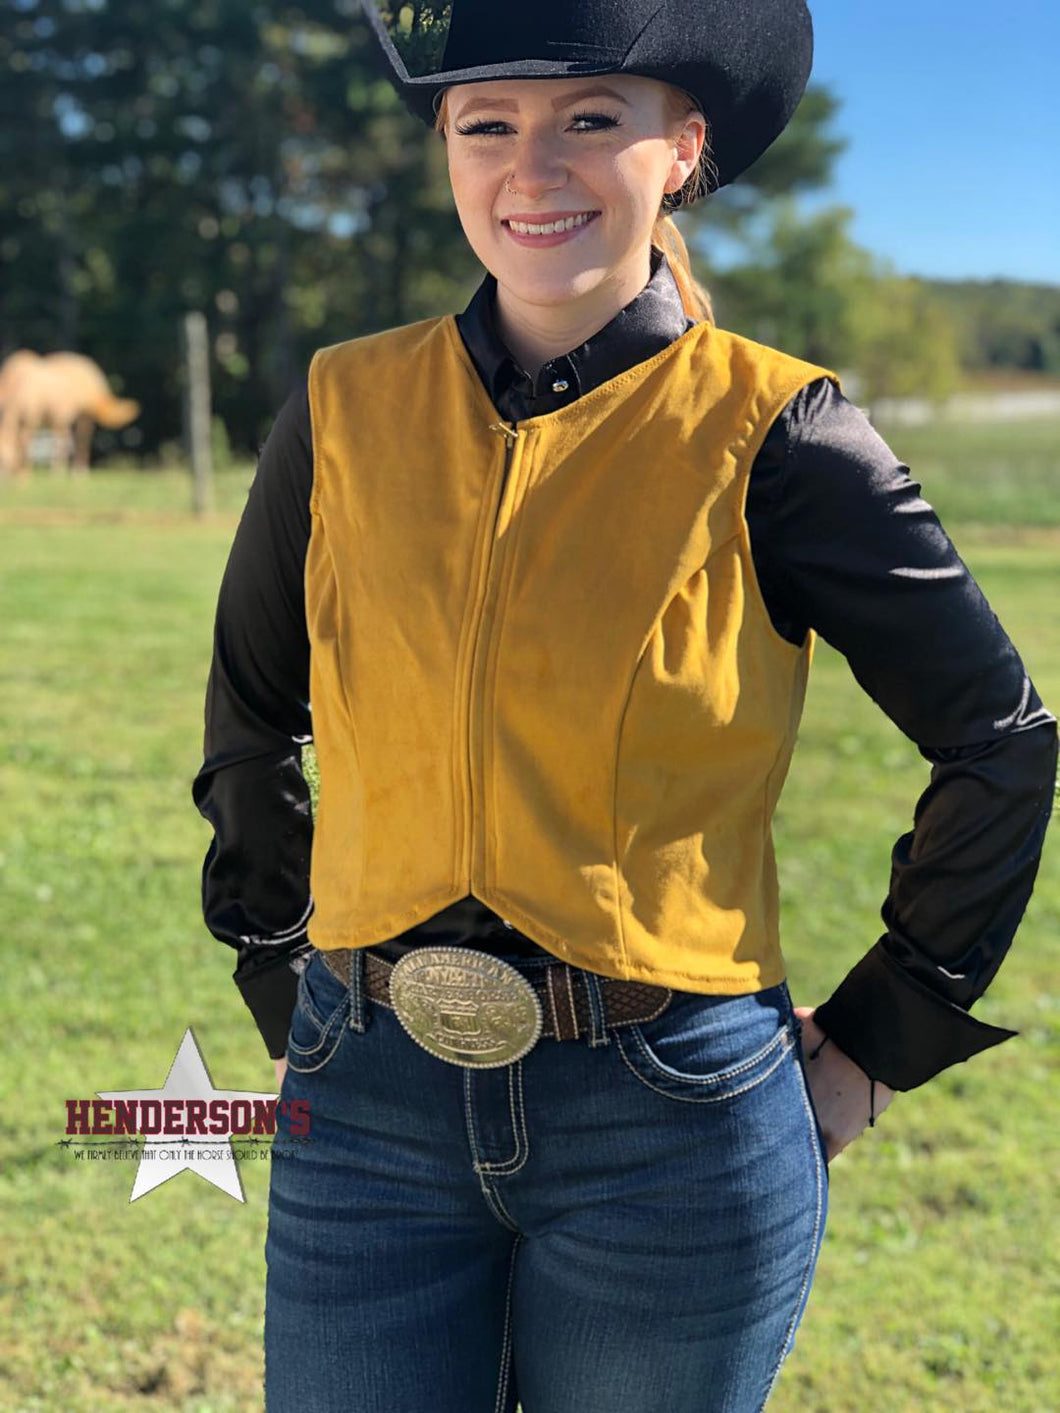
{"points": [[542, 670]]}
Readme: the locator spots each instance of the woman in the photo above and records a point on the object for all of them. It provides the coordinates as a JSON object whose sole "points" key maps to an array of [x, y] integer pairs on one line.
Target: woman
{"points": [[550, 573]]}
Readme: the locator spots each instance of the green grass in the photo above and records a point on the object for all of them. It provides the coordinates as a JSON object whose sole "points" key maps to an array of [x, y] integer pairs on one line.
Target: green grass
{"points": [[1003, 473], [933, 1289], [109, 496]]}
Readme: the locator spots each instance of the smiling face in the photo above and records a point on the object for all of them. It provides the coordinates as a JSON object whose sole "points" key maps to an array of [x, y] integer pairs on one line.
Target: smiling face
{"points": [[594, 154]]}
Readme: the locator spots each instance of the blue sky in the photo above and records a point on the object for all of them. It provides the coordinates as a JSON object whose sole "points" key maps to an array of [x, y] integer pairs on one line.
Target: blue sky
{"points": [[952, 111]]}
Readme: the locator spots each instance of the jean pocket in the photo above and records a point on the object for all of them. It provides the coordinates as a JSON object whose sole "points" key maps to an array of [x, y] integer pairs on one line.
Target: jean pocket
{"points": [[710, 1048], [317, 1024], [811, 1107]]}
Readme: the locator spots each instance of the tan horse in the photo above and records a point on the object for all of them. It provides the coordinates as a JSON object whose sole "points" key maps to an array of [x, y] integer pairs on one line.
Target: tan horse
{"points": [[65, 391], [12, 371]]}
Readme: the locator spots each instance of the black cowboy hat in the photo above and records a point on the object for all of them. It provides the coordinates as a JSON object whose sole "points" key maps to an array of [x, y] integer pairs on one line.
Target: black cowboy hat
{"points": [[746, 62]]}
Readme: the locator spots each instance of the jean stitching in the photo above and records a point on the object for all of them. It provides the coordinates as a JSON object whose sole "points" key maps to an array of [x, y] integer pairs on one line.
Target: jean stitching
{"points": [[711, 1079], [706, 1098], [321, 1027], [789, 1332], [357, 991], [518, 1116], [506, 1346], [500, 1207], [494, 1203], [481, 1170], [293, 1050], [596, 1010], [302, 999], [302, 996], [818, 1131], [568, 975], [321, 1039], [469, 1121]]}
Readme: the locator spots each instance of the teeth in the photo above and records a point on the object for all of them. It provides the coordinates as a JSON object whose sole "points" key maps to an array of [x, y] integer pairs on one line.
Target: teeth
{"points": [[525, 227]]}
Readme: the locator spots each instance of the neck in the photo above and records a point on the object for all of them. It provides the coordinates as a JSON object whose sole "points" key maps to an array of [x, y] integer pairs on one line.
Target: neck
{"points": [[534, 333]]}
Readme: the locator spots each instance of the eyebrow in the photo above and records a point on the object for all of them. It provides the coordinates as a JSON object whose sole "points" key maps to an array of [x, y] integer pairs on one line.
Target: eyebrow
{"points": [[510, 105], [599, 91]]}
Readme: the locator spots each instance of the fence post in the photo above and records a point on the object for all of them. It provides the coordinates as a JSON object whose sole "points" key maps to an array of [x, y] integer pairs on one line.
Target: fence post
{"points": [[197, 411]]}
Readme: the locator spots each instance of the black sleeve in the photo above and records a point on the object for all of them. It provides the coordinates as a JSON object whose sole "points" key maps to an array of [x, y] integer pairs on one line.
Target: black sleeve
{"points": [[844, 543], [255, 878]]}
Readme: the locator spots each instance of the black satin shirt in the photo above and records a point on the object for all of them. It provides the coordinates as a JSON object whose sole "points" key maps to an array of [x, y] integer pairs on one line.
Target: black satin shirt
{"points": [[842, 542]]}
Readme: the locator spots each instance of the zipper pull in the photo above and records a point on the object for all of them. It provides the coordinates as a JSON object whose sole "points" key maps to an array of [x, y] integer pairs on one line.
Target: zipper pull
{"points": [[509, 432]]}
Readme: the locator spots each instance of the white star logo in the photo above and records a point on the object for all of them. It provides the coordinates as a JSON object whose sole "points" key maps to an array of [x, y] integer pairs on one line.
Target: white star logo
{"points": [[210, 1156]]}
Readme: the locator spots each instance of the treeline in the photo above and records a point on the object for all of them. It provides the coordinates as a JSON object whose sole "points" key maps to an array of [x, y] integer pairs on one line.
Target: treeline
{"points": [[249, 161], [1003, 323]]}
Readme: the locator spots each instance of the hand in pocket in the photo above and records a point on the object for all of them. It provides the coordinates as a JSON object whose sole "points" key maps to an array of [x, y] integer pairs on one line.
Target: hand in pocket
{"points": [[839, 1088]]}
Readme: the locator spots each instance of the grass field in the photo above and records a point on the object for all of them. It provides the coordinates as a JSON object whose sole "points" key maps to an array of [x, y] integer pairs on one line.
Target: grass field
{"points": [[936, 1287]]}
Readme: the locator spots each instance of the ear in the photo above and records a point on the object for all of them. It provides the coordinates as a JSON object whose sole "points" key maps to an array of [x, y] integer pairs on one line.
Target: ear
{"points": [[687, 146]]}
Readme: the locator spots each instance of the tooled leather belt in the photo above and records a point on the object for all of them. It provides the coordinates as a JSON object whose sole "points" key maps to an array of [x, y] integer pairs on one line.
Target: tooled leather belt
{"points": [[561, 989]]}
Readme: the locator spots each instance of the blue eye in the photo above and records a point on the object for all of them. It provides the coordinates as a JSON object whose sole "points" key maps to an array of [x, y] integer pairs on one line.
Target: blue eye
{"points": [[496, 127], [485, 127], [604, 120]]}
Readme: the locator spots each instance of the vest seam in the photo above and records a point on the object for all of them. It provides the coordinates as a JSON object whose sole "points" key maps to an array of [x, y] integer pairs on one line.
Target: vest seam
{"points": [[619, 734], [321, 531], [620, 907], [775, 942]]}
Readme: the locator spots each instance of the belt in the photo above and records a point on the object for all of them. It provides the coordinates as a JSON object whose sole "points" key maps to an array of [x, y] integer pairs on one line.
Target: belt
{"points": [[561, 990]]}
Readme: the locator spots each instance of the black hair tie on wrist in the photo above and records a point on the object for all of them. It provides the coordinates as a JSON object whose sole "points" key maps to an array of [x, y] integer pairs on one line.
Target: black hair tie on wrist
{"points": [[872, 1083]]}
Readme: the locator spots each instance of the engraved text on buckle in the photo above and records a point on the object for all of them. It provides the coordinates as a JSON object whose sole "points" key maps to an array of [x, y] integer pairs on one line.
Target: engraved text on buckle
{"points": [[467, 1007]]}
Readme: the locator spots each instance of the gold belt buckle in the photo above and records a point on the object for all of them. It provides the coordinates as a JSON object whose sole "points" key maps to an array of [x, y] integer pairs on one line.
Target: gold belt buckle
{"points": [[467, 1007]]}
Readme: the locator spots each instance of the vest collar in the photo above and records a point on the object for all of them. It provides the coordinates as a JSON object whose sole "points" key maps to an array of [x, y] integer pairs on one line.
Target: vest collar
{"points": [[648, 324]]}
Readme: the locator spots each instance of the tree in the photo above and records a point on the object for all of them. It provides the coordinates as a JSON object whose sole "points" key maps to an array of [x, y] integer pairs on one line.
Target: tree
{"points": [[809, 289], [242, 159], [799, 162]]}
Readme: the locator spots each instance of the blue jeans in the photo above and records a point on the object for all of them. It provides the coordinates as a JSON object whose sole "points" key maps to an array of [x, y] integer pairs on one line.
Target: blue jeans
{"points": [[628, 1222]]}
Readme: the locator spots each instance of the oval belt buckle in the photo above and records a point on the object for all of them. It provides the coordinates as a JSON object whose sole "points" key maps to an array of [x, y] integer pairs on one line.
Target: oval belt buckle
{"points": [[467, 1007]]}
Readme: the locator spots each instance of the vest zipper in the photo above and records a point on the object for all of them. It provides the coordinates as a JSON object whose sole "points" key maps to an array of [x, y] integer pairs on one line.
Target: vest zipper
{"points": [[476, 745]]}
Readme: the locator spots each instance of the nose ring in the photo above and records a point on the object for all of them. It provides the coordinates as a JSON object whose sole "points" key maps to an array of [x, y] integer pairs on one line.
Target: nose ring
{"points": [[508, 186]]}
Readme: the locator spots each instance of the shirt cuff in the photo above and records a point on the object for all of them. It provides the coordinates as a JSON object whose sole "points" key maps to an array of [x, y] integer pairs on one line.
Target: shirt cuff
{"points": [[270, 995], [898, 1030]]}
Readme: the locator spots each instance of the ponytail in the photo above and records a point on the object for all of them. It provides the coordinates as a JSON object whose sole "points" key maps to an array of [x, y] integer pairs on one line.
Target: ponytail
{"points": [[665, 237], [700, 182]]}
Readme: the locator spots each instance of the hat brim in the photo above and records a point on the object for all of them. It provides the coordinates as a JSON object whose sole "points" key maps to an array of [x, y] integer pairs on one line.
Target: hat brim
{"points": [[747, 111]]}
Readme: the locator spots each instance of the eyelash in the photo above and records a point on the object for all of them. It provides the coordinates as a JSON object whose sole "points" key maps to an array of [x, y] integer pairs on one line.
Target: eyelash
{"points": [[607, 120]]}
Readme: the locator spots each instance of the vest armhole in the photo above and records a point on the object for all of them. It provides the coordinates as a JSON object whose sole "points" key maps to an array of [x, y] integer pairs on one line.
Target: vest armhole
{"points": [[795, 650], [313, 381]]}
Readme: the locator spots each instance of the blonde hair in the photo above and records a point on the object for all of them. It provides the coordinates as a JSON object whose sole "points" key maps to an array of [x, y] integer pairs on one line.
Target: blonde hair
{"points": [[665, 236]]}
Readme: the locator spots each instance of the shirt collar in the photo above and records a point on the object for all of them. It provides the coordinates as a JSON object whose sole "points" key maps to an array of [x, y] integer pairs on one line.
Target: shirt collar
{"points": [[648, 324]]}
